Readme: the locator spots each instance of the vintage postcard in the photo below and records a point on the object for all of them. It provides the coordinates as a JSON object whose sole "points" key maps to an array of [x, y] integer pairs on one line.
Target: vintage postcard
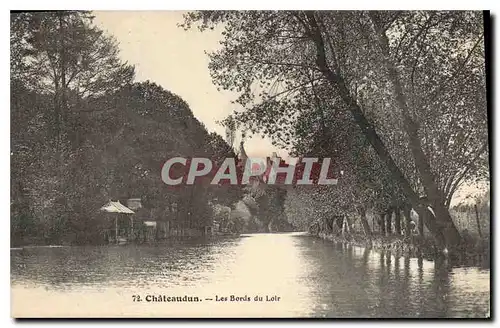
{"points": [[250, 164]]}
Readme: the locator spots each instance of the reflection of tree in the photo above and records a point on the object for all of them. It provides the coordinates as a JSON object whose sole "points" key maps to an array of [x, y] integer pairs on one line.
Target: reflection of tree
{"points": [[441, 285]]}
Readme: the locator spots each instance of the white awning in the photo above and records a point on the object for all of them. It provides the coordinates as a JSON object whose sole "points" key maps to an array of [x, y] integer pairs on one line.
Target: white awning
{"points": [[116, 207]]}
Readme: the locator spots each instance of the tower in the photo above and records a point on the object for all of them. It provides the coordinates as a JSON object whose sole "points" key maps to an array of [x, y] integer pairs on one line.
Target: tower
{"points": [[243, 153]]}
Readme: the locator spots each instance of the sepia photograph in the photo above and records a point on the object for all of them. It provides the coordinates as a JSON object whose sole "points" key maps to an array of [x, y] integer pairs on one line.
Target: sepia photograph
{"points": [[250, 164]]}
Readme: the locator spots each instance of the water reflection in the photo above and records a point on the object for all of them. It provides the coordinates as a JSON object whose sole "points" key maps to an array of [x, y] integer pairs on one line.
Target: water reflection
{"points": [[313, 278], [72, 267]]}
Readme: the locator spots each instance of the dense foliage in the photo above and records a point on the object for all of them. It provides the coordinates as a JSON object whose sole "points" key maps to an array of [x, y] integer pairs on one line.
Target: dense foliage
{"points": [[398, 98], [84, 133]]}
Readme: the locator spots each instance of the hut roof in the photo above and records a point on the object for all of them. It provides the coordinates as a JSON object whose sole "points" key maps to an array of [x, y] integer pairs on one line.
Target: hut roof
{"points": [[116, 207]]}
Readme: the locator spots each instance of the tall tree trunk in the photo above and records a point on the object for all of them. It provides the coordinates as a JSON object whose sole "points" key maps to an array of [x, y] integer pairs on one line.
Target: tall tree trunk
{"points": [[444, 222], [331, 225], [382, 224], [388, 225], [366, 127], [339, 222], [364, 223], [478, 223], [60, 99], [407, 215], [63, 65], [348, 224], [443, 228], [421, 225], [397, 220]]}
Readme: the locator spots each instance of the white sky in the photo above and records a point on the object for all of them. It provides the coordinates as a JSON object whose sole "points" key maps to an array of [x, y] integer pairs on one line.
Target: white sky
{"points": [[175, 59]]}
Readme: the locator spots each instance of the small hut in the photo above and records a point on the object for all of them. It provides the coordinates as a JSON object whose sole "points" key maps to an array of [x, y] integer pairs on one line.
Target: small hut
{"points": [[119, 210]]}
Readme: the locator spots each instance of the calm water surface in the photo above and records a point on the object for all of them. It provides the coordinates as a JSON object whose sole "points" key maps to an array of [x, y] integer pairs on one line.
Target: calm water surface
{"points": [[311, 278]]}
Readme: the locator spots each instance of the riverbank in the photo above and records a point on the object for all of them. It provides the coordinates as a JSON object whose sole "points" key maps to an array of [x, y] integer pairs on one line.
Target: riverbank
{"points": [[474, 252]]}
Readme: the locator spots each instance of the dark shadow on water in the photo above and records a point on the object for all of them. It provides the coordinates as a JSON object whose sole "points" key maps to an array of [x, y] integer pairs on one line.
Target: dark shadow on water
{"points": [[386, 284]]}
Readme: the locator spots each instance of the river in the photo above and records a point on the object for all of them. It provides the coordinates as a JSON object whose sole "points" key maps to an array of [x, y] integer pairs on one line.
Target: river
{"points": [[294, 275]]}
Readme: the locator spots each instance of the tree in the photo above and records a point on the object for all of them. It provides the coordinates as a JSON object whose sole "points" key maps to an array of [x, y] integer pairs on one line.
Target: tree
{"points": [[269, 57], [82, 133], [63, 54], [66, 52]]}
